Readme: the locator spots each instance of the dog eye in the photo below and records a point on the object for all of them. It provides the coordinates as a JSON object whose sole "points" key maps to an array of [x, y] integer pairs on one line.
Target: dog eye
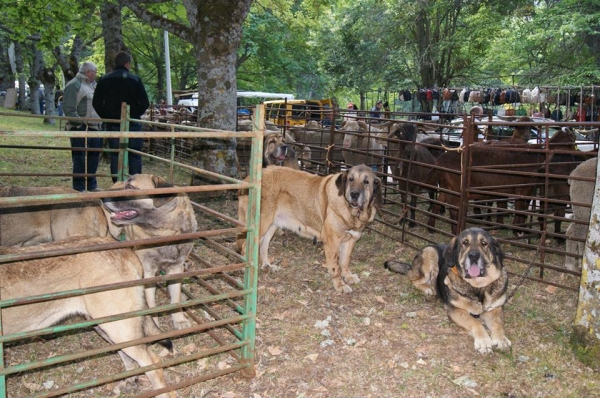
{"points": [[484, 243], [465, 242], [366, 182], [351, 179]]}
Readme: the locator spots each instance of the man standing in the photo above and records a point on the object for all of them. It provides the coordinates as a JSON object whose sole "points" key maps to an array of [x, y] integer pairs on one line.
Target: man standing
{"points": [[116, 87], [77, 104], [376, 111]]}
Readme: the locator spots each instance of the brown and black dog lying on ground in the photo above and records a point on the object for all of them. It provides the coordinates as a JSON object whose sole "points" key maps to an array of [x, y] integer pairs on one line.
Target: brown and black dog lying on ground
{"points": [[469, 276], [334, 209], [75, 272]]}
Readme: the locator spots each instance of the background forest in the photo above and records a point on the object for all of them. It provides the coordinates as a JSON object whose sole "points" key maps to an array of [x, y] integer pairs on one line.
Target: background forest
{"points": [[312, 48]]}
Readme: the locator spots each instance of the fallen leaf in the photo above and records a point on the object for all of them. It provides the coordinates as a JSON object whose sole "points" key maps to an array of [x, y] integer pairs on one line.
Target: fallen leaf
{"points": [[229, 394], [312, 357], [201, 364], [32, 386], [320, 389], [188, 349], [551, 289], [223, 365], [380, 299], [48, 384], [274, 350]]}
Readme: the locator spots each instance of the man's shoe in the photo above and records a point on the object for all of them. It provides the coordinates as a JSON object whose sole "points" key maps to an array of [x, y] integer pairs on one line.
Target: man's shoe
{"points": [[96, 190]]}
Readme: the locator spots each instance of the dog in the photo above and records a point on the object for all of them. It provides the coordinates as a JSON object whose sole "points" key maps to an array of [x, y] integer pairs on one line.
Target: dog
{"points": [[37, 223], [469, 276], [138, 217], [334, 209], [278, 153], [142, 217], [80, 271]]}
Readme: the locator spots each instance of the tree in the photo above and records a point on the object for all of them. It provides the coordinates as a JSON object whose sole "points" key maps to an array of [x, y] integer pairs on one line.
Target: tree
{"points": [[214, 27]]}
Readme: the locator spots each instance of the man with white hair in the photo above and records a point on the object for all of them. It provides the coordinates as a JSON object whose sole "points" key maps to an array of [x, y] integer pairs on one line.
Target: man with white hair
{"points": [[77, 104]]}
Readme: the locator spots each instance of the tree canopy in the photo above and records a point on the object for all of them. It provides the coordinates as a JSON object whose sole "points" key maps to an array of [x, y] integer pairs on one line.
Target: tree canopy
{"points": [[318, 48]]}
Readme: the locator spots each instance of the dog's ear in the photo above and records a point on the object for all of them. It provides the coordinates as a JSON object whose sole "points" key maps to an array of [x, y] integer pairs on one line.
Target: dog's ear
{"points": [[376, 198], [340, 183], [497, 251], [451, 253], [161, 200]]}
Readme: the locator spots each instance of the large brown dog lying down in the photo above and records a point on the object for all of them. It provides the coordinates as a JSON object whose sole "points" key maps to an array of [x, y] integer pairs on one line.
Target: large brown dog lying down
{"points": [[334, 209], [33, 224], [470, 278], [138, 217], [80, 271]]}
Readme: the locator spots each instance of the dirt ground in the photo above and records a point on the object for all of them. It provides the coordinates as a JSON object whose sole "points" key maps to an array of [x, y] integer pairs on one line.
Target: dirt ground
{"points": [[385, 339]]}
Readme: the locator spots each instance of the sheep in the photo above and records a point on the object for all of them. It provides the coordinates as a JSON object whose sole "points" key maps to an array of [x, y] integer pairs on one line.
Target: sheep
{"points": [[358, 136], [582, 192]]}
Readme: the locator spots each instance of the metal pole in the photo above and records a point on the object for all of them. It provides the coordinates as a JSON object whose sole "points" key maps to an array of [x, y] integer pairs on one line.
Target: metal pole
{"points": [[168, 70]]}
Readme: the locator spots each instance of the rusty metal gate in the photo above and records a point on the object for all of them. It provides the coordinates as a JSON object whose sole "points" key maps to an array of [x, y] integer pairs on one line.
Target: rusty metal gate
{"points": [[219, 285], [522, 197]]}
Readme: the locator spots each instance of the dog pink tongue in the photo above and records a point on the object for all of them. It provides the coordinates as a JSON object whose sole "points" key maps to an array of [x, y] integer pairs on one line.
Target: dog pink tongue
{"points": [[473, 271], [123, 215]]}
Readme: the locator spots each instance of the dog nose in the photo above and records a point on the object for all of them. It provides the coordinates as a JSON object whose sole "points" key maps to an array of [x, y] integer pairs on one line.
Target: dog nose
{"points": [[354, 195], [474, 256]]}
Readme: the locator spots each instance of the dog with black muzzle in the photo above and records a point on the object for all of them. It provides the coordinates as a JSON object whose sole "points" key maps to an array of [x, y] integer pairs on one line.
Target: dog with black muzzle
{"points": [[469, 276], [334, 209]]}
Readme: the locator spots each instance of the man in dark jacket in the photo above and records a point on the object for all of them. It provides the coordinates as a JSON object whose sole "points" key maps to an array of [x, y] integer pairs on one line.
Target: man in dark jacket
{"points": [[116, 87]]}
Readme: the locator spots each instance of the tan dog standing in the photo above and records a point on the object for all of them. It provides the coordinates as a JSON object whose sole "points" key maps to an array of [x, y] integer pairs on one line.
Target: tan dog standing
{"points": [[334, 209]]}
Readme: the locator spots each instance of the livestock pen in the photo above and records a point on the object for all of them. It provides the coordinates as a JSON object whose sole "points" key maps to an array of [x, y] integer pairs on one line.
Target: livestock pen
{"points": [[219, 285], [518, 191]]}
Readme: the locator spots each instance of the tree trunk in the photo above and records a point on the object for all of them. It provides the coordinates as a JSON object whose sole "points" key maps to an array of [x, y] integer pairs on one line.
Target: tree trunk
{"points": [[586, 336], [69, 63], [217, 88], [110, 13], [215, 29], [21, 77]]}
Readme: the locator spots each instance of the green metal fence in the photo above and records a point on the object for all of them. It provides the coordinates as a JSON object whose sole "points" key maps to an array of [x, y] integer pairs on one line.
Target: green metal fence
{"points": [[220, 286]]}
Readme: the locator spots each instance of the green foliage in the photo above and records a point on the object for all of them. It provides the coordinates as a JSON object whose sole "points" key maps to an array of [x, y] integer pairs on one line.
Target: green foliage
{"points": [[278, 51], [315, 48], [48, 22]]}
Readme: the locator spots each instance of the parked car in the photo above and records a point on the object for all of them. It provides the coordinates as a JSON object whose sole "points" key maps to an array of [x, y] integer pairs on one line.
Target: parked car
{"points": [[582, 142], [452, 135]]}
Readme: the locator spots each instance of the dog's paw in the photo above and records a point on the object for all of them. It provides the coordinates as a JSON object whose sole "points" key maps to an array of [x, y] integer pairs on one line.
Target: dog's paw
{"points": [[501, 343], [483, 345], [341, 287], [181, 322], [351, 279], [270, 266], [346, 289]]}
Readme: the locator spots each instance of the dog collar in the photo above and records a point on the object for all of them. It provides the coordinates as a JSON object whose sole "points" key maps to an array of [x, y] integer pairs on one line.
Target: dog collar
{"points": [[453, 269]]}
